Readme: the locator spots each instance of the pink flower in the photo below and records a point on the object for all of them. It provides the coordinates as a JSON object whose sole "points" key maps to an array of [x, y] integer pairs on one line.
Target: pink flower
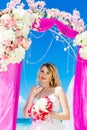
{"points": [[5, 56], [13, 3]]}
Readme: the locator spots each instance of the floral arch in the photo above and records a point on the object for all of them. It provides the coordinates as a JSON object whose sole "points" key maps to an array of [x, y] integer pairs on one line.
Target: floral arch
{"points": [[15, 24]]}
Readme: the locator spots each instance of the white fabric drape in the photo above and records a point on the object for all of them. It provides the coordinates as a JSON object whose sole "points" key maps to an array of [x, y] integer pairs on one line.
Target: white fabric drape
{"points": [[69, 124]]}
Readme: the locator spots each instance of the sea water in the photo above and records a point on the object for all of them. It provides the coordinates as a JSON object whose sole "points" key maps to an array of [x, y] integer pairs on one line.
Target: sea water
{"points": [[23, 124]]}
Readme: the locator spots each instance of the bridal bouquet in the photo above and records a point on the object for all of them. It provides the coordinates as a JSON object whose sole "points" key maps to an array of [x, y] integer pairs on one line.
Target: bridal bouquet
{"points": [[40, 109]]}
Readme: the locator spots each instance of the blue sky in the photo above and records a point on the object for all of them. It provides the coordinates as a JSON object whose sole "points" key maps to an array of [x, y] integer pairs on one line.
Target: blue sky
{"points": [[43, 49]]}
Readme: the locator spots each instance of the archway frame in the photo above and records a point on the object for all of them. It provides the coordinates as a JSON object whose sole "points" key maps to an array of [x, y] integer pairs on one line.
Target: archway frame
{"points": [[41, 20]]}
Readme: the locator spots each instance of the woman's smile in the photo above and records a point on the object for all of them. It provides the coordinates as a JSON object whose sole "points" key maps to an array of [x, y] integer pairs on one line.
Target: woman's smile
{"points": [[43, 78]]}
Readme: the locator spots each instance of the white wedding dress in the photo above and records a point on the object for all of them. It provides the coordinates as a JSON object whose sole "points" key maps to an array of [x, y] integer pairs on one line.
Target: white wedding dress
{"points": [[49, 124]]}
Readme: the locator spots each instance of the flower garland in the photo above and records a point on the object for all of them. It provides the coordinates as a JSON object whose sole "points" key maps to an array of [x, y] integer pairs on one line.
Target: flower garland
{"points": [[72, 20], [14, 29], [13, 40], [40, 109], [16, 22]]}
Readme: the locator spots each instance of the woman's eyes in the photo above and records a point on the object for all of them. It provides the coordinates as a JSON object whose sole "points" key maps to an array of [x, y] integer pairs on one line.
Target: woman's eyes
{"points": [[44, 72]]}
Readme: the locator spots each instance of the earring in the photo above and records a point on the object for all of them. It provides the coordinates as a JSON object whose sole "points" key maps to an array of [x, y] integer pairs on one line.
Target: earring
{"points": [[51, 83]]}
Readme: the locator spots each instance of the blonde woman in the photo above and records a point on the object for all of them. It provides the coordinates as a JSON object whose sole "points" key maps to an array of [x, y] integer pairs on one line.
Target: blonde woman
{"points": [[49, 85]]}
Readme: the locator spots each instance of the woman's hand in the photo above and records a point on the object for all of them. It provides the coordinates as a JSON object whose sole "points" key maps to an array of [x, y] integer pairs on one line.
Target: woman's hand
{"points": [[25, 112], [51, 115], [35, 91]]}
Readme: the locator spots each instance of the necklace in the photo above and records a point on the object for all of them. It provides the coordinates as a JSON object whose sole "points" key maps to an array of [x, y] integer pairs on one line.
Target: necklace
{"points": [[45, 92], [40, 94]]}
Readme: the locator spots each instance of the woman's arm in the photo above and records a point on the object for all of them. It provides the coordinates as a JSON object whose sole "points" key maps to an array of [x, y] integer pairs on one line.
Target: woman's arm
{"points": [[65, 114], [34, 91], [28, 105]]}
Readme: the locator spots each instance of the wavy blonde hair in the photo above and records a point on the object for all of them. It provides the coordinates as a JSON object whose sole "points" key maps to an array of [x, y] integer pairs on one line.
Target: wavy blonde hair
{"points": [[55, 77]]}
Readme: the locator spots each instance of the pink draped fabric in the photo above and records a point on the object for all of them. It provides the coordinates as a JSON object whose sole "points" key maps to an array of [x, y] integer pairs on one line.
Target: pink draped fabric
{"points": [[9, 93], [46, 24], [80, 95]]}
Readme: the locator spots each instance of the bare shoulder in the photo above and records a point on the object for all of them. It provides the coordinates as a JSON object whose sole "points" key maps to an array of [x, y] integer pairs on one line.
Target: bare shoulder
{"points": [[59, 90]]}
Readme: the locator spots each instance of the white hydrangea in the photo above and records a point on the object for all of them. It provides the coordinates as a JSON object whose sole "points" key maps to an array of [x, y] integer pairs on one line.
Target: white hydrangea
{"points": [[24, 20], [2, 31], [1, 50], [23, 27], [9, 35], [41, 105], [3, 65], [81, 39], [25, 31], [17, 55], [19, 13], [5, 17], [83, 52]]}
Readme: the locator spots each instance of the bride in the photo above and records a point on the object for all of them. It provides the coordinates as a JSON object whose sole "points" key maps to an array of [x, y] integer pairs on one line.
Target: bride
{"points": [[49, 86]]}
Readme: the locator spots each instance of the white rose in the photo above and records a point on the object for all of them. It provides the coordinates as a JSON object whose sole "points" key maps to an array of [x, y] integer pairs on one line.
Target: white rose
{"points": [[5, 17], [25, 31], [9, 35], [1, 50], [17, 55], [83, 52], [41, 105], [2, 31], [3, 65], [19, 13], [81, 39]]}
